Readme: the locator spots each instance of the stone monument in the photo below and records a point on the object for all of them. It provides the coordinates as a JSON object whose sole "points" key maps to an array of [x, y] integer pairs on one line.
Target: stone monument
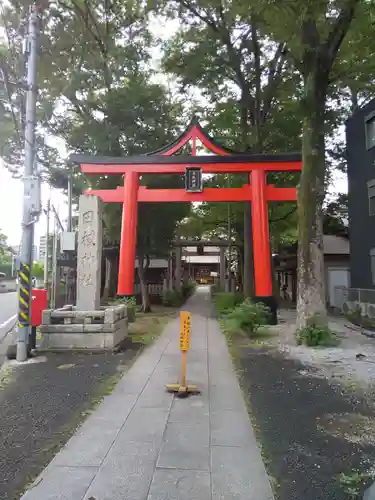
{"points": [[86, 326], [89, 254]]}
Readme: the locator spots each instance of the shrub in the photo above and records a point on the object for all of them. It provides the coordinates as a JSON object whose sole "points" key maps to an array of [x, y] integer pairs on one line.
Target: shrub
{"points": [[128, 301], [188, 288], [172, 298], [248, 316], [225, 302], [314, 335]]}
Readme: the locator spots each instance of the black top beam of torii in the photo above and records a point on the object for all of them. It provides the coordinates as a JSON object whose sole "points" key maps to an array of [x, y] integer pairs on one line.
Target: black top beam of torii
{"points": [[162, 156]]}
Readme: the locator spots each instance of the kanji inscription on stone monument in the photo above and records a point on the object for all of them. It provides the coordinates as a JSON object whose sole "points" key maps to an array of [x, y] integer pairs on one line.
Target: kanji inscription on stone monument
{"points": [[89, 254]]}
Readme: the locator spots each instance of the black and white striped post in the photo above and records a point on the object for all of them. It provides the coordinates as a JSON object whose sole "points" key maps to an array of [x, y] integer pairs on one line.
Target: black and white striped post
{"points": [[24, 304]]}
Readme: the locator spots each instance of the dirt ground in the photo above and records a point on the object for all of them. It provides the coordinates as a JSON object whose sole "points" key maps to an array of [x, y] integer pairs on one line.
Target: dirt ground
{"points": [[313, 410]]}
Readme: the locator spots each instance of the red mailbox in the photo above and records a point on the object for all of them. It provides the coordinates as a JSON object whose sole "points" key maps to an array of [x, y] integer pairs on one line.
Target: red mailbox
{"points": [[38, 304]]}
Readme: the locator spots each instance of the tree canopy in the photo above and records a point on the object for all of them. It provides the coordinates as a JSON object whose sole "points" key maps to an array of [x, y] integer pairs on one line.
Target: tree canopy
{"points": [[273, 76]]}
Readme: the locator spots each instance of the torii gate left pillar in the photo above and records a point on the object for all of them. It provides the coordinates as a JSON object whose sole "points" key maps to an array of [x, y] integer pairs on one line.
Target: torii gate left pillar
{"points": [[128, 234]]}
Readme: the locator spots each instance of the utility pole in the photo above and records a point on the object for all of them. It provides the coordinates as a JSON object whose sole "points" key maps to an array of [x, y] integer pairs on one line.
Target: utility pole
{"points": [[69, 281], [31, 202], [54, 265], [46, 255]]}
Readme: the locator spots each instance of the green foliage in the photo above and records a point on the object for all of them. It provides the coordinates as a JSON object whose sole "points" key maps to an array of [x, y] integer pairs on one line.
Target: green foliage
{"points": [[258, 70], [335, 216], [127, 301], [225, 302], [109, 105], [188, 288], [6, 268], [315, 334], [3, 243], [248, 317], [5, 255], [354, 482], [248, 85], [239, 57], [172, 298], [37, 270], [157, 221]]}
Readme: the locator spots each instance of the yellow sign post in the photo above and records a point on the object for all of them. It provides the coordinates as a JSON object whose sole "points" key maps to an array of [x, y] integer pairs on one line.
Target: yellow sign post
{"points": [[185, 331]]}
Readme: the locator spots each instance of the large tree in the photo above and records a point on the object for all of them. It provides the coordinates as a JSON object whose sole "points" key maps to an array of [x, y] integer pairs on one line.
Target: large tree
{"points": [[310, 35], [246, 82], [96, 96], [313, 32]]}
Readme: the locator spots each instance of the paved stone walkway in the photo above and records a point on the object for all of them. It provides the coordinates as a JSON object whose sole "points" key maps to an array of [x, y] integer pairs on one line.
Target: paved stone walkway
{"points": [[145, 444]]}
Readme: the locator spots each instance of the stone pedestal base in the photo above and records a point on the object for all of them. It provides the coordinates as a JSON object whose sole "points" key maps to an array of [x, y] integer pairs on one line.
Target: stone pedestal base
{"points": [[69, 329], [82, 337]]}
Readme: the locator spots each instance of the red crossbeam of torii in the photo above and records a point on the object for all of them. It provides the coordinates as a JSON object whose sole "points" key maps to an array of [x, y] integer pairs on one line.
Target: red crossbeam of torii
{"points": [[258, 192]]}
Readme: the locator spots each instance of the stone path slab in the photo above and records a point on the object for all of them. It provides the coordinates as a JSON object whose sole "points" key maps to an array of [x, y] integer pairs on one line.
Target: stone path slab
{"points": [[145, 444]]}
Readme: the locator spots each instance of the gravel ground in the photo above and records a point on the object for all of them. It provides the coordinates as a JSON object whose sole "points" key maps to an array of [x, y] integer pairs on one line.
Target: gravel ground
{"points": [[310, 431], [341, 362], [41, 405]]}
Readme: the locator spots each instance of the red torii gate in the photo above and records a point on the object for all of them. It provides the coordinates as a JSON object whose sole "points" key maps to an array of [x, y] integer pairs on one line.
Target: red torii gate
{"points": [[162, 161]]}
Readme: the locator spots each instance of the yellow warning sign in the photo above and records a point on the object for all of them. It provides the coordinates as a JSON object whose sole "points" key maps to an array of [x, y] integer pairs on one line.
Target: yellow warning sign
{"points": [[185, 330]]}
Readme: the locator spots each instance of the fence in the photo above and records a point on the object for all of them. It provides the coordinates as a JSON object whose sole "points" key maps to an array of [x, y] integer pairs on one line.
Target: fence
{"points": [[359, 300], [153, 289]]}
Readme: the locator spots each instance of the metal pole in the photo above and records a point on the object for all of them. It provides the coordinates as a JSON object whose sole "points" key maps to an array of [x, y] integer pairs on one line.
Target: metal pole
{"points": [[54, 267], [46, 255], [27, 221], [70, 203], [69, 255]]}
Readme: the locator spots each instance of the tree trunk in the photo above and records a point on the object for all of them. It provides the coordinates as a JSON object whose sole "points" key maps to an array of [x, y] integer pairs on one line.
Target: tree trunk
{"points": [[240, 264], [146, 305], [311, 301]]}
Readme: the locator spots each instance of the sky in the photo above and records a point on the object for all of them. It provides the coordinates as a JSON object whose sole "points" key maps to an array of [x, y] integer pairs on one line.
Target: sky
{"points": [[11, 190], [11, 199]]}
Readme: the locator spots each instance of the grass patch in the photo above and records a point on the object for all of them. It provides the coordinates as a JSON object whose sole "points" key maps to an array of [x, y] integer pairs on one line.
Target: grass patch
{"points": [[148, 326]]}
